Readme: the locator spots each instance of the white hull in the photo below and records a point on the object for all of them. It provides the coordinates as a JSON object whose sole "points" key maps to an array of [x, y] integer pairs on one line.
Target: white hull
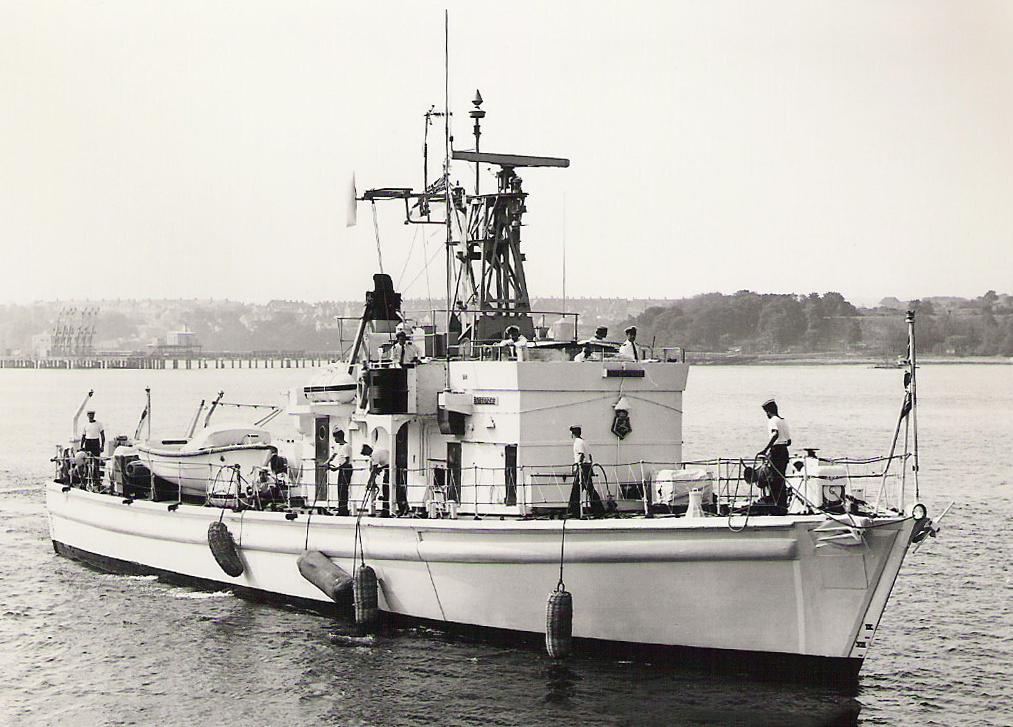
{"points": [[681, 582], [202, 472]]}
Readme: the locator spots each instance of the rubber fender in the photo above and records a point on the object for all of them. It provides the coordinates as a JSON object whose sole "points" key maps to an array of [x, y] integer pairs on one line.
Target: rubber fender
{"points": [[322, 572], [559, 624], [364, 595], [223, 547]]}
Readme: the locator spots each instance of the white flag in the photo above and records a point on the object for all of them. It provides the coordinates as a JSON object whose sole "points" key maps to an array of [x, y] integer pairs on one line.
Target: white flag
{"points": [[350, 213]]}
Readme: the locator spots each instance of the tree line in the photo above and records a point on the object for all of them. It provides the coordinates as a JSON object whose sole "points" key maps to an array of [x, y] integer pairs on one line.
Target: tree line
{"points": [[744, 322], [754, 323]]}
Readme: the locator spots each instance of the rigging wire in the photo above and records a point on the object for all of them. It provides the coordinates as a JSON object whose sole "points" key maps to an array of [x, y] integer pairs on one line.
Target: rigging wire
{"points": [[408, 259], [562, 545], [376, 233], [423, 272]]}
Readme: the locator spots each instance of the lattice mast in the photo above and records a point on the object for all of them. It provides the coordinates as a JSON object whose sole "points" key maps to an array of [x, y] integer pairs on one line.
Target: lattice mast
{"points": [[491, 261], [486, 286]]}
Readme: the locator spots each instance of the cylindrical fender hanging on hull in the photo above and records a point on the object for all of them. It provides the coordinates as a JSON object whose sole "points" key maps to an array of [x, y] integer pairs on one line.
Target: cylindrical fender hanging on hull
{"points": [[366, 603], [223, 547], [323, 573], [559, 623]]}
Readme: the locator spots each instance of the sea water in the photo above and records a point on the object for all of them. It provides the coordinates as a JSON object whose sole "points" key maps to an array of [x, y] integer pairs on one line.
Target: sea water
{"points": [[80, 647]]}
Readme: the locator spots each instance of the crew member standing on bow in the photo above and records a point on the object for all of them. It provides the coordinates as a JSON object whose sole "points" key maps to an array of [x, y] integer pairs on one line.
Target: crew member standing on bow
{"points": [[582, 466], [93, 439], [777, 452], [341, 461], [628, 350]]}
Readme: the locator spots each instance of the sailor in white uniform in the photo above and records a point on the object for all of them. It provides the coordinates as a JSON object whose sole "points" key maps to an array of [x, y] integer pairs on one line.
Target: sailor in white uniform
{"points": [[628, 350], [93, 439], [515, 342], [404, 352]]}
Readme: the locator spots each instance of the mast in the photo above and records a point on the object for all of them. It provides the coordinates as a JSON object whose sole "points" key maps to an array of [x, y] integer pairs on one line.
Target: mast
{"points": [[913, 394], [446, 170], [908, 420], [478, 114], [486, 285]]}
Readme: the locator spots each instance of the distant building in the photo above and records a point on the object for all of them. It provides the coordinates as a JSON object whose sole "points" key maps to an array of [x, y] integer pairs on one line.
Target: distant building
{"points": [[177, 344], [42, 345]]}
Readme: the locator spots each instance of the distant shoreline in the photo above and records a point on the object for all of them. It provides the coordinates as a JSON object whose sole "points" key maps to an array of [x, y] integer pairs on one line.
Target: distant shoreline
{"points": [[831, 359], [693, 358]]}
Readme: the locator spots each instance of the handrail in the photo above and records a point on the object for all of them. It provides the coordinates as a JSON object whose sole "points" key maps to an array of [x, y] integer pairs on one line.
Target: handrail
{"points": [[633, 486]]}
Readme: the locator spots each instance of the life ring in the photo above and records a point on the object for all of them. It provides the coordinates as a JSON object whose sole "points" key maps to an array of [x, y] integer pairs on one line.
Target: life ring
{"points": [[223, 548]]}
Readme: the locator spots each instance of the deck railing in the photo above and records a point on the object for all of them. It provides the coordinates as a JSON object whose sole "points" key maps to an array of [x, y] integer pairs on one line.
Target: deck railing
{"points": [[873, 485]]}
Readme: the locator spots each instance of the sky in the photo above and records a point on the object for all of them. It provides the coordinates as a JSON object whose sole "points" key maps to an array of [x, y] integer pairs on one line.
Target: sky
{"points": [[154, 149]]}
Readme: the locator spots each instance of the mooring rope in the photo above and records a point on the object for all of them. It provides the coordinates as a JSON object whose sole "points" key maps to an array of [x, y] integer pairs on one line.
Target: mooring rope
{"points": [[562, 544], [358, 549], [735, 497]]}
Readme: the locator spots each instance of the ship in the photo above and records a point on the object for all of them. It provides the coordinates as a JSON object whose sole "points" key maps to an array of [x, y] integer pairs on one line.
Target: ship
{"points": [[463, 502]]}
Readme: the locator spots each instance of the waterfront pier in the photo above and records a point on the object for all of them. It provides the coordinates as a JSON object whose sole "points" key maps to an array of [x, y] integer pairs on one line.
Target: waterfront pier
{"points": [[204, 360]]}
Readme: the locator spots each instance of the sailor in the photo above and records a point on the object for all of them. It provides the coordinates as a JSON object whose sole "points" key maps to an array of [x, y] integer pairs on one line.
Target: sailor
{"points": [[404, 352], [582, 466], [341, 461], [777, 453], [594, 348], [379, 463], [93, 438], [628, 350], [79, 470], [515, 342]]}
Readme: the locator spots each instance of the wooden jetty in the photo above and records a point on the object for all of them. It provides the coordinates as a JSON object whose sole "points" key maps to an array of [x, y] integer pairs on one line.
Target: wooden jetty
{"points": [[204, 360]]}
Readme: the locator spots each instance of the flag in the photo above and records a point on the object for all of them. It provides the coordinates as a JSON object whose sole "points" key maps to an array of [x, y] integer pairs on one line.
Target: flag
{"points": [[140, 424], [350, 212]]}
